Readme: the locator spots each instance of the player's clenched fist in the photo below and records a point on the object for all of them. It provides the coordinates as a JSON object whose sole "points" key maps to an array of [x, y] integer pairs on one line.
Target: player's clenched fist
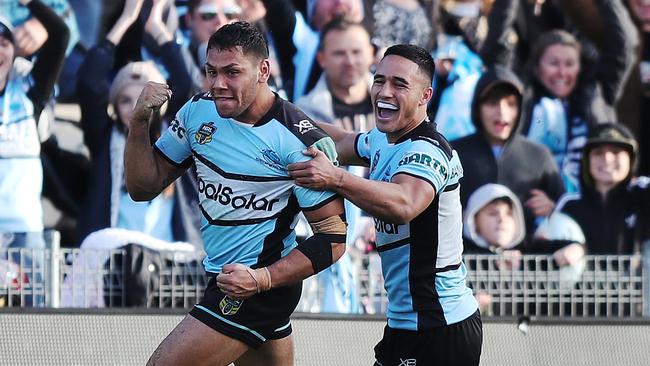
{"points": [[152, 97]]}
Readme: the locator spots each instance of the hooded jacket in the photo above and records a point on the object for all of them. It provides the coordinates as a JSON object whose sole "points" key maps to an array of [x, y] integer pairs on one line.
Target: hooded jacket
{"points": [[521, 166], [618, 222], [483, 196]]}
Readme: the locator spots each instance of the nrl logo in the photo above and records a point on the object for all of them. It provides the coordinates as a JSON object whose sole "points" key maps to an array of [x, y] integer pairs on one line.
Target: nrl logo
{"points": [[229, 306], [205, 132]]}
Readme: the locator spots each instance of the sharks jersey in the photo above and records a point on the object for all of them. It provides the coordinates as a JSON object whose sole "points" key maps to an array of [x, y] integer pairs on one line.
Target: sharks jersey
{"points": [[424, 275], [21, 172], [248, 201]]}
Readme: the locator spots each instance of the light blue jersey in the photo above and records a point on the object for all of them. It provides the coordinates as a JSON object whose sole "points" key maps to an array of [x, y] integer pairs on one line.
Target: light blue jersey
{"points": [[249, 202], [422, 264], [21, 172]]}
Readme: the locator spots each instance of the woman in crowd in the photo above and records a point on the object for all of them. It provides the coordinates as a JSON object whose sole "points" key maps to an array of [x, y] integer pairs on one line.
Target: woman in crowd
{"points": [[106, 111]]}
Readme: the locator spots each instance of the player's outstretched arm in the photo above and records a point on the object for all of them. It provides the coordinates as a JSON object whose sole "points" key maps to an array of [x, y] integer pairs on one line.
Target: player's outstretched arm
{"points": [[146, 173], [398, 201], [313, 255], [344, 141]]}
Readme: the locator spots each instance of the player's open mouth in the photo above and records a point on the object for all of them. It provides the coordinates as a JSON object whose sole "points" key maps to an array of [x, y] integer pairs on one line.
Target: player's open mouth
{"points": [[386, 110]]}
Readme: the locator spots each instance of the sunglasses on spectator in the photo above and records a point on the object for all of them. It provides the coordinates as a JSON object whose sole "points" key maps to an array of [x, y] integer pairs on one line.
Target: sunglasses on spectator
{"points": [[209, 12]]}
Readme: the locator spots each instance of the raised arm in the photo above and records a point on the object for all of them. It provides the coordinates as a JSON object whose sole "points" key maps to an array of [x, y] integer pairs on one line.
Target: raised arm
{"points": [[398, 201], [51, 55], [146, 173], [313, 255]]}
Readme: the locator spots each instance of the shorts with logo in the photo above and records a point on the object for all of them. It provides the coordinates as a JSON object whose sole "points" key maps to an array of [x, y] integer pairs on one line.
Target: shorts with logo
{"points": [[254, 320], [450, 345]]}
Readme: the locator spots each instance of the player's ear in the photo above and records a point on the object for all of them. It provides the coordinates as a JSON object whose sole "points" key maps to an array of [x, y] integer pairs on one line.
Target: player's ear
{"points": [[427, 94], [264, 71]]}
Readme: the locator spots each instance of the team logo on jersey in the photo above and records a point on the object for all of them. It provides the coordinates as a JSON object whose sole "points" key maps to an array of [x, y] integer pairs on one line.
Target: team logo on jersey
{"points": [[205, 132], [229, 306], [271, 159], [304, 126]]}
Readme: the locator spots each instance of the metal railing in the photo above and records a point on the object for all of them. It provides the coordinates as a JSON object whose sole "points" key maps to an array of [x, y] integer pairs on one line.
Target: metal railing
{"points": [[598, 286]]}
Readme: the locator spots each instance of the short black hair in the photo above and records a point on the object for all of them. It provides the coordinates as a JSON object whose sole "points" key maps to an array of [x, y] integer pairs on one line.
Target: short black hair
{"points": [[416, 54], [240, 34], [338, 23]]}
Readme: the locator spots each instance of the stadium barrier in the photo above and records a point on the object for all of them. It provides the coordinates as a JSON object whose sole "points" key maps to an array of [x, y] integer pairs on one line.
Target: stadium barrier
{"points": [[129, 336], [599, 286]]}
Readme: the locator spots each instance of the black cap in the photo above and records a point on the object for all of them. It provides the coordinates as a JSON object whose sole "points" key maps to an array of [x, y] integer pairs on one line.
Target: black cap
{"points": [[6, 30]]}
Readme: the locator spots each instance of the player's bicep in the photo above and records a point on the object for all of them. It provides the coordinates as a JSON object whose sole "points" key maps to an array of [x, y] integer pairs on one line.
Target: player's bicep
{"points": [[420, 192], [168, 172]]}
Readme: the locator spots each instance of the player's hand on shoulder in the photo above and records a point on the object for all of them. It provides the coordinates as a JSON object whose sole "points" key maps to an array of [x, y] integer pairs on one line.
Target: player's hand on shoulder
{"points": [[317, 173]]}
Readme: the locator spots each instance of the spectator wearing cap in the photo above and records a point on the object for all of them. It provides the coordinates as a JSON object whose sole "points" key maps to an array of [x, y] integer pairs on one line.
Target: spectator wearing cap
{"points": [[106, 109], [612, 207], [23, 95], [496, 153]]}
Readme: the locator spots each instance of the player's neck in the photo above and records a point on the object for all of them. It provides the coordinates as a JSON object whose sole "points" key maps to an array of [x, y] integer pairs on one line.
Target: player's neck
{"points": [[259, 107], [418, 119]]}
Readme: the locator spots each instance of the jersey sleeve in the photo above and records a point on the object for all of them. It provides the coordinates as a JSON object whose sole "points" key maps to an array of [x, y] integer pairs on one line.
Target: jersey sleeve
{"points": [[424, 161], [311, 199], [362, 146], [174, 145]]}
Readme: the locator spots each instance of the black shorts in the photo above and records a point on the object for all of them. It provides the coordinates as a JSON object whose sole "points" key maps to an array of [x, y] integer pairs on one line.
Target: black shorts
{"points": [[254, 320], [456, 344]]}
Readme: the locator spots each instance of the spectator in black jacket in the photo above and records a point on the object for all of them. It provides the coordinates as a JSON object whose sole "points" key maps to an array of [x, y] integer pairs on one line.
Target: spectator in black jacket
{"points": [[496, 153], [23, 95], [613, 206], [107, 204]]}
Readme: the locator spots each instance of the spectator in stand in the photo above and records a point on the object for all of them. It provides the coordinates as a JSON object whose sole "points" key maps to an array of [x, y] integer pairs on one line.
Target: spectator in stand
{"points": [[168, 216], [634, 107], [494, 224], [464, 18], [496, 153], [567, 96], [296, 41], [613, 206], [23, 95]]}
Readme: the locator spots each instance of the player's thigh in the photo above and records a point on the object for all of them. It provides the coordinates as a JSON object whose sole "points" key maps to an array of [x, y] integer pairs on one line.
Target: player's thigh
{"points": [[193, 343], [276, 352]]}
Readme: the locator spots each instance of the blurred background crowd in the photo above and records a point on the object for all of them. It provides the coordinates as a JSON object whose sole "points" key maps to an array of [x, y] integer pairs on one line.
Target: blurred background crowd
{"points": [[547, 103]]}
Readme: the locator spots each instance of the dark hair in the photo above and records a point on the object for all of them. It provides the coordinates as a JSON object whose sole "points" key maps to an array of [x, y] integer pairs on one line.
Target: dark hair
{"points": [[240, 34], [416, 54], [340, 24], [548, 39]]}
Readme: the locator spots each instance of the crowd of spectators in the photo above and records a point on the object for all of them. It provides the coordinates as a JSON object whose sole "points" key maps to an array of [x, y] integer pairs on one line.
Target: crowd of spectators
{"points": [[546, 102]]}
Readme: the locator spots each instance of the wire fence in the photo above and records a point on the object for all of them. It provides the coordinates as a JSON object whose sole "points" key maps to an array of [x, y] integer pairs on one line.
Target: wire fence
{"points": [[597, 286]]}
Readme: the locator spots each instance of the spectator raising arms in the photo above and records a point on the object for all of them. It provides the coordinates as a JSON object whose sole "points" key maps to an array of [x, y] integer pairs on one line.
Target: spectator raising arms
{"points": [[22, 99], [107, 204]]}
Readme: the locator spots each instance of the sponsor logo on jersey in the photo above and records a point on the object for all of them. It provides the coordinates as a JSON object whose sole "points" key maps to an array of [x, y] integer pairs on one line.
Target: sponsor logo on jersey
{"points": [[224, 195], [386, 227], [304, 126], [175, 126], [375, 160], [229, 306], [426, 160], [205, 132]]}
